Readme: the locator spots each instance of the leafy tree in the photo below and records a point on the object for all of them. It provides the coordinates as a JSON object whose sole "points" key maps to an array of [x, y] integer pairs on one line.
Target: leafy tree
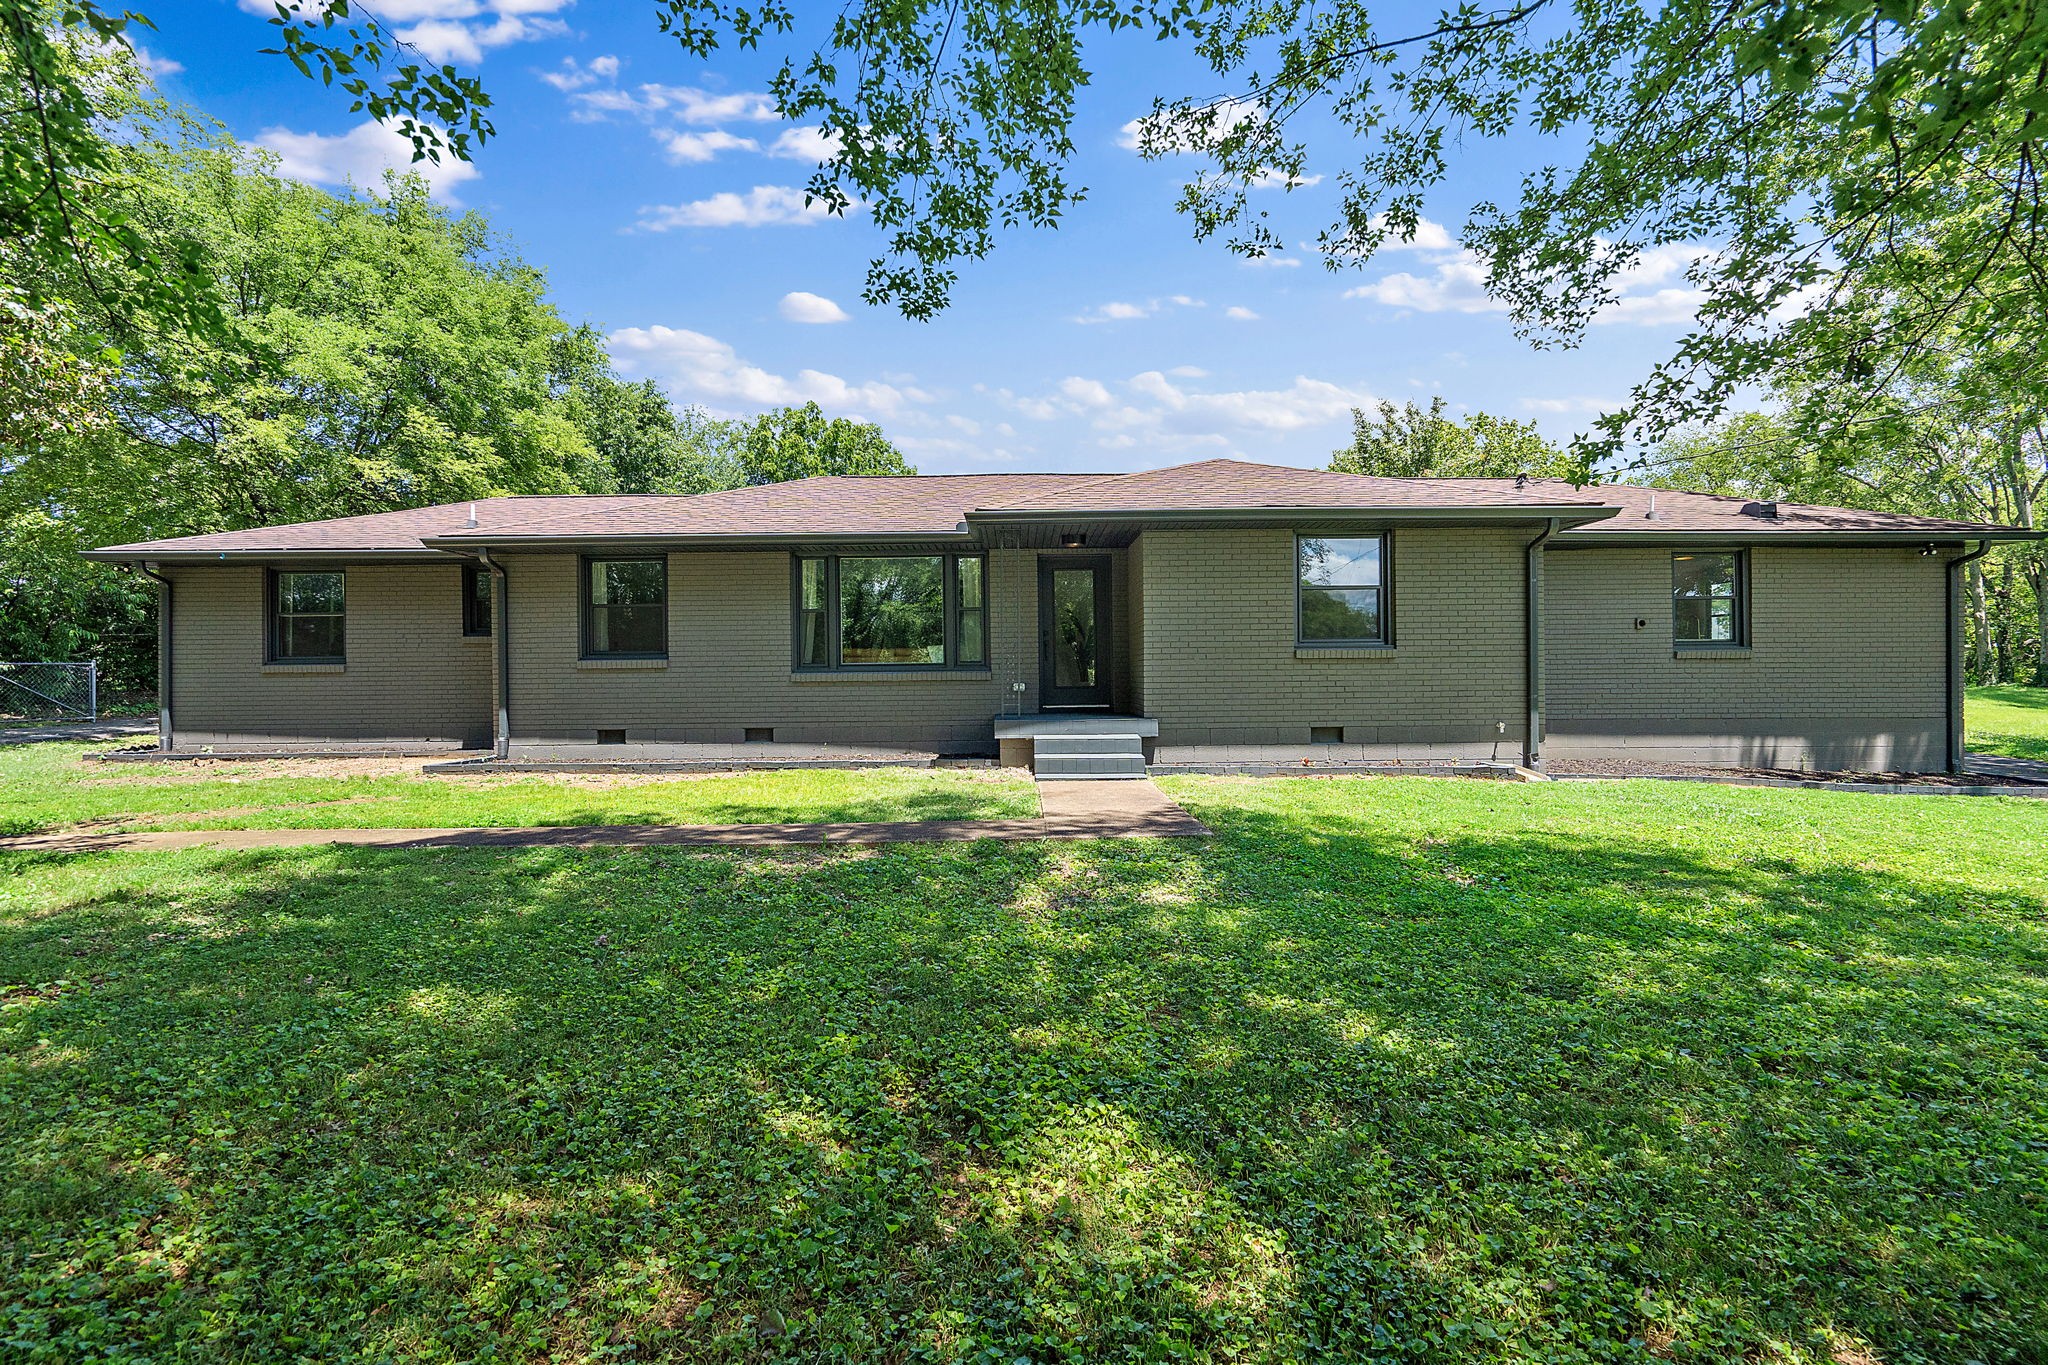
{"points": [[54, 605], [68, 80], [798, 443], [46, 389], [643, 443], [1408, 442], [376, 352]]}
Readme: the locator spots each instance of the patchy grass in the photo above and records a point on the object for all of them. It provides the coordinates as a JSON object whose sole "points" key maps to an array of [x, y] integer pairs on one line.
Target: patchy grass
{"points": [[1399, 1070], [2007, 720], [50, 786]]}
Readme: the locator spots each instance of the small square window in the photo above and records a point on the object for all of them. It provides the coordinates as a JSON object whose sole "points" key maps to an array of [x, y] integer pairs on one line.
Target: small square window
{"points": [[611, 736]]}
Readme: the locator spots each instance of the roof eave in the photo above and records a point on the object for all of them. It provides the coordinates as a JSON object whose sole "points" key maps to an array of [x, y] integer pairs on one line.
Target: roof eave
{"points": [[686, 540], [1764, 536], [138, 554]]}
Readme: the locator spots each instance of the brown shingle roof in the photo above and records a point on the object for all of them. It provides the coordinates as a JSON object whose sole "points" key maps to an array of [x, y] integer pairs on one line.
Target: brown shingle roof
{"points": [[1680, 513], [1230, 485], [937, 505]]}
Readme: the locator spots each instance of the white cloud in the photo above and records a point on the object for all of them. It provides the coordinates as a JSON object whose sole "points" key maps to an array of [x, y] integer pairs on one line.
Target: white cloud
{"points": [[359, 157], [1576, 403], [1085, 393], [762, 206], [696, 366], [1271, 262], [1151, 409], [573, 75], [798, 306], [1457, 283], [1127, 312], [1239, 314], [451, 30], [1273, 180], [1659, 308], [1169, 136], [155, 65], [814, 145], [686, 147], [687, 103], [1430, 235]]}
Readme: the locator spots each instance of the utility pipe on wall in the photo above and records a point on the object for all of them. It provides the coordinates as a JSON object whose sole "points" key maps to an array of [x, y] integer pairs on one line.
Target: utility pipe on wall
{"points": [[1953, 674], [1532, 650], [501, 643]]}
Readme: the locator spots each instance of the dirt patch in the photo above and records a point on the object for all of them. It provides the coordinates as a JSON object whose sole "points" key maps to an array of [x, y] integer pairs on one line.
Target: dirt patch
{"points": [[184, 773], [1622, 767]]}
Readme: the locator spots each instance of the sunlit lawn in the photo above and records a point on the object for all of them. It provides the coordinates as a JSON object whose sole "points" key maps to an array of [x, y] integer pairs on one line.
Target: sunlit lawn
{"points": [[49, 786], [2008, 720], [1405, 1070]]}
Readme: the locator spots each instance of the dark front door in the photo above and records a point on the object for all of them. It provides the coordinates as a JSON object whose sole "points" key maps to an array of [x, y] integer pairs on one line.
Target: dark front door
{"points": [[1073, 633]]}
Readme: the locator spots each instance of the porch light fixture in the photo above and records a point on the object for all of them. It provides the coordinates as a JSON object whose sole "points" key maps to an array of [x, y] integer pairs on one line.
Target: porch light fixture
{"points": [[1072, 542]]}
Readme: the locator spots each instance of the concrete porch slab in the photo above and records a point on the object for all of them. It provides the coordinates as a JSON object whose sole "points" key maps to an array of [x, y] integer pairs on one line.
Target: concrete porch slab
{"points": [[1076, 723]]}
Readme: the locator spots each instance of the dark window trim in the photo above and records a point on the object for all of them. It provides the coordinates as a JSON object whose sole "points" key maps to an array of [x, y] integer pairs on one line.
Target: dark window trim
{"points": [[950, 576], [1385, 639], [584, 605], [472, 628], [1741, 640], [271, 620]]}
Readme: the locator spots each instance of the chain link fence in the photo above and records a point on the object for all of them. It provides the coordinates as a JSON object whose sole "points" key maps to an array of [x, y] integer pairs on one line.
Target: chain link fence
{"points": [[43, 691]]}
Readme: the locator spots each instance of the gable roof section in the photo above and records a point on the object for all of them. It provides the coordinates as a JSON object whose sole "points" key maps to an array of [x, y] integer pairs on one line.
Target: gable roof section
{"points": [[943, 506]]}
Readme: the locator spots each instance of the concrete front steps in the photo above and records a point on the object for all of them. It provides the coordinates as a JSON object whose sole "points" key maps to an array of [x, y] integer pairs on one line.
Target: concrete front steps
{"points": [[1082, 757]]}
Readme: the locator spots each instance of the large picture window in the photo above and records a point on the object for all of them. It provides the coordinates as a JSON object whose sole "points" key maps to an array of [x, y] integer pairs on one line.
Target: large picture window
{"points": [[1708, 599], [1341, 590], [890, 611], [625, 608], [308, 616]]}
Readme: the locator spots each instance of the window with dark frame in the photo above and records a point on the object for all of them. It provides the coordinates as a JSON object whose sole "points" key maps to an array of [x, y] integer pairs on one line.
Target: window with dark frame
{"points": [[1341, 590], [476, 600], [308, 617], [1709, 599], [625, 608], [854, 612]]}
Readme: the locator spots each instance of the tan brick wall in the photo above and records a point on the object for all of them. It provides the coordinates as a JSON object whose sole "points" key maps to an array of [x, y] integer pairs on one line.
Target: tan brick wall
{"points": [[1221, 667], [729, 667], [410, 674], [1845, 665]]}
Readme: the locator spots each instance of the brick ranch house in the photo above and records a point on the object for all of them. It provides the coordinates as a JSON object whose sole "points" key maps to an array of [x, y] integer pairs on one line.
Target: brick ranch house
{"points": [[1219, 609]]}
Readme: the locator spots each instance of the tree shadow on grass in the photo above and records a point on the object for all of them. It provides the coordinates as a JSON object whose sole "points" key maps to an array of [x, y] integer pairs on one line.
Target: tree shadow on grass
{"points": [[1289, 1092]]}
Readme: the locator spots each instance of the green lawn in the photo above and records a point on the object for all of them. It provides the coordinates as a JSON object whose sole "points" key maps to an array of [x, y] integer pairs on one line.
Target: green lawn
{"points": [[48, 786], [1403, 1070], [2007, 720]]}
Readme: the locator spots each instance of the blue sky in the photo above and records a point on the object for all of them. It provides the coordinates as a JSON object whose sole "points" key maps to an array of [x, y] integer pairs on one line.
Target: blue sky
{"points": [[664, 201]]}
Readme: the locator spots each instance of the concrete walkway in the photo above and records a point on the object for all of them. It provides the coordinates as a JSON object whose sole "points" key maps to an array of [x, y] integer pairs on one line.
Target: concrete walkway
{"points": [[1997, 765], [1070, 810], [76, 732]]}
